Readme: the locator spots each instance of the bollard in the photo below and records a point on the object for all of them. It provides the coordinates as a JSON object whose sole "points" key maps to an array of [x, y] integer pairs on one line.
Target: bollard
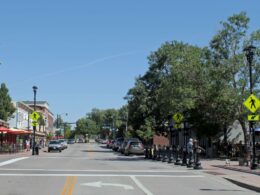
{"points": [[184, 156], [150, 155], [159, 153], [178, 160], [190, 162], [146, 152], [154, 152], [164, 154], [169, 154]]}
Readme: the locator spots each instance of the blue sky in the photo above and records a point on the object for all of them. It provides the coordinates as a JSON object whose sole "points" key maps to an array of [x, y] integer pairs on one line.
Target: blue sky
{"points": [[86, 54]]}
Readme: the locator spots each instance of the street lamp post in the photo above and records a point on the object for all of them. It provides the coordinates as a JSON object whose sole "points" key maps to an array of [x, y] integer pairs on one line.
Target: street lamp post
{"points": [[34, 109], [58, 122], [249, 51]]}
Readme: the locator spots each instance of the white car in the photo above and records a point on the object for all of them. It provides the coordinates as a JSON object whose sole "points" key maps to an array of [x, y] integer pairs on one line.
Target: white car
{"points": [[63, 143]]}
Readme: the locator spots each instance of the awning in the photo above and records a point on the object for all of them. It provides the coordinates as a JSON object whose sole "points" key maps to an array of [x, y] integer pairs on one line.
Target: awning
{"points": [[18, 131], [38, 133], [4, 130]]}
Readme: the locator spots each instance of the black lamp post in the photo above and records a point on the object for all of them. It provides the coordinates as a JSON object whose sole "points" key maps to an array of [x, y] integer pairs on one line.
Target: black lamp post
{"points": [[59, 120], [34, 109], [249, 50]]}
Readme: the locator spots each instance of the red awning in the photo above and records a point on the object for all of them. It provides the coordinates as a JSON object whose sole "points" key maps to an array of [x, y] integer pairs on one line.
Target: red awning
{"points": [[4, 129], [18, 131]]}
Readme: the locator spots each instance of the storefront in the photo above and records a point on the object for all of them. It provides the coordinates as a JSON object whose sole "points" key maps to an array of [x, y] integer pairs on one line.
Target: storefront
{"points": [[12, 140]]}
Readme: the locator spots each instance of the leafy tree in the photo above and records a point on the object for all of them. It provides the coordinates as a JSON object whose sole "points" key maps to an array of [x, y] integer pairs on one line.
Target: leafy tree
{"points": [[86, 126], [67, 130], [6, 106], [229, 59], [146, 133], [58, 122]]}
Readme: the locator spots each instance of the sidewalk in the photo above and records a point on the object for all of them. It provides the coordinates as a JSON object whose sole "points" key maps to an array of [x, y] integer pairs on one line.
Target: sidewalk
{"points": [[240, 175]]}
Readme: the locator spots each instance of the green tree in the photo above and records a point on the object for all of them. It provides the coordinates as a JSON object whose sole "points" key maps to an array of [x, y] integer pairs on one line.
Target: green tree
{"points": [[67, 130], [6, 106], [229, 59], [86, 126]]}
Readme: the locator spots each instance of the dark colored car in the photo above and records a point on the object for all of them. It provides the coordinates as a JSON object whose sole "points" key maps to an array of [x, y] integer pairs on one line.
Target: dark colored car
{"points": [[117, 144]]}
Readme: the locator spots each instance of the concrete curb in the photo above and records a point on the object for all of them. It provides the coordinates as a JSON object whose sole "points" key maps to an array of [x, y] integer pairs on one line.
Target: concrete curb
{"points": [[236, 169], [244, 185]]}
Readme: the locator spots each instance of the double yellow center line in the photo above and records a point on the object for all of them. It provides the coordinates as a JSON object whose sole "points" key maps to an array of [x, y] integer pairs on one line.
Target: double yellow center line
{"points": [[68, 187]]}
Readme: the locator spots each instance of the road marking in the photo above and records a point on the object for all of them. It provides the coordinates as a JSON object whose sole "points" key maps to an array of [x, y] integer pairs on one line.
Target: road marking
{"points": [[68, 185], [141, 186], [99, 184], [65, 186], [72, 185], [12, 161], [89, 153], [98, 175], [99, 170]]}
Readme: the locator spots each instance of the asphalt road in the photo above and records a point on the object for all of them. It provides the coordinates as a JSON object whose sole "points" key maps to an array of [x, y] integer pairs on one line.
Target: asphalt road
{"points": [[91, 169]]}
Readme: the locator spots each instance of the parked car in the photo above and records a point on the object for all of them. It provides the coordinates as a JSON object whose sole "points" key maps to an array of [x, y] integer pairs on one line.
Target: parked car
{"points": [[80, 140], [117, 143], [63, 143], [54, 145], [124, 144], [134, 147], [110, 143], [71, 141]]}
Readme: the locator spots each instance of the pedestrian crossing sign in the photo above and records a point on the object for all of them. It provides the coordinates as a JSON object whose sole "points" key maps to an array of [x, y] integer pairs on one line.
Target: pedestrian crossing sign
{"points": [[178, 117], [253, 117], [177, 126], [252, 103], [34, 123], [34, 116]]}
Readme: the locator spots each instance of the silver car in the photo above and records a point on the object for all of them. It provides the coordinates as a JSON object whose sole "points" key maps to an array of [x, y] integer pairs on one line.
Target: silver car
{"points": [[134, 147], [54, 145]]}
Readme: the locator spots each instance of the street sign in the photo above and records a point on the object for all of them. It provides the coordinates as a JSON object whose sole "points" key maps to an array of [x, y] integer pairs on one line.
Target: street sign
{"points": [[178, 117], [34, 123], [253, 117], [177, 126], [34, 116], [252, 103]]}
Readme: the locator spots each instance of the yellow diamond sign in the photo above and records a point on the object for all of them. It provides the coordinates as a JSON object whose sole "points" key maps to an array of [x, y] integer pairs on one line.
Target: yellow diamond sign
{"points": [[178, 117], [34, 123], [34, 116], [177, 126], [252, 103]]}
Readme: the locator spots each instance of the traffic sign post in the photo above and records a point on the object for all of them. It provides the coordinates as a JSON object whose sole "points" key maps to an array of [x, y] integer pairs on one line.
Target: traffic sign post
{"points": [[35, 116], [178, 117], [252, 103], [253, 117], [35, 123]]}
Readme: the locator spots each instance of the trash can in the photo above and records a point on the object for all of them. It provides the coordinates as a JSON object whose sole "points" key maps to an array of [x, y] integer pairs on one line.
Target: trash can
{"points": [[36, 150]]}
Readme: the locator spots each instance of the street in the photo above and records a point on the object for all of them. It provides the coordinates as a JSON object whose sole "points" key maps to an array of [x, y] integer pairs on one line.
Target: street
{"points": [[93, 169]]}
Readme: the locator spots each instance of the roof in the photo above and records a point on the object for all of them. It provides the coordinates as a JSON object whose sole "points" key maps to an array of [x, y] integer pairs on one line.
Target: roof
{"points": [[37, 102]]}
